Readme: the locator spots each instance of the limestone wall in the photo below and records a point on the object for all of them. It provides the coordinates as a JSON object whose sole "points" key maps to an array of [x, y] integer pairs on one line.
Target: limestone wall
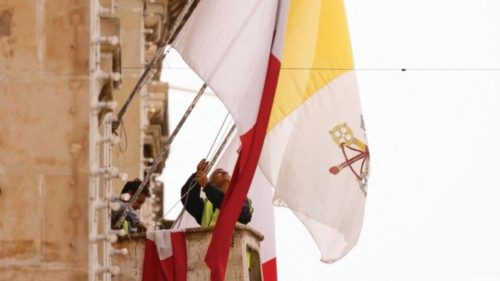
{"points": [[44, 107], [44, 126]]}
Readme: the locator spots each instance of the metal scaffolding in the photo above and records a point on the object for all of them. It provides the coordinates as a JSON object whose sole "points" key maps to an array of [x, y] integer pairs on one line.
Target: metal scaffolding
{"points": [[102, 171]]}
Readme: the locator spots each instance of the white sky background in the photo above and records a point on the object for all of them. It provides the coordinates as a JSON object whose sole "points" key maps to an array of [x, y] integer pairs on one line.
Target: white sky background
{"points": [[433, 208]]}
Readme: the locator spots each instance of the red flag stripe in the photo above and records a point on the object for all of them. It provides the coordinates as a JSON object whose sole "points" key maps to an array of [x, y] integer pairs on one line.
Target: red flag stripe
{"points": [[270, 270], [152, 269], [251, 146], [179, 251]]}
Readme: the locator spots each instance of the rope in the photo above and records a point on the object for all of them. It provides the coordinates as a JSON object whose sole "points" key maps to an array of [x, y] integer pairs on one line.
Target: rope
{"points": [[192, 184], [178, 220], [158, 56], [123, 133], [219, 142], [221, 147], [213, 160], [163, 156], [217, 136]]}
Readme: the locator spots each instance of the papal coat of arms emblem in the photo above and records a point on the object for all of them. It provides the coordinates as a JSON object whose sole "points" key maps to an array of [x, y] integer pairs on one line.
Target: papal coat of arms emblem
{"points": [[355, 153]]}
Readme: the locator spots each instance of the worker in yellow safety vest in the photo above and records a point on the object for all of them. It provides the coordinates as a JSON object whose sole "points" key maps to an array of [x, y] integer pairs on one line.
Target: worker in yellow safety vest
{"points": [[206, 210], [131, 224]]}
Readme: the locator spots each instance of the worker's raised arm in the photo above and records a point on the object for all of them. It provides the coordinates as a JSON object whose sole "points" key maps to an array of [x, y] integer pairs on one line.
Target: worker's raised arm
{"points": [[190, 198]]}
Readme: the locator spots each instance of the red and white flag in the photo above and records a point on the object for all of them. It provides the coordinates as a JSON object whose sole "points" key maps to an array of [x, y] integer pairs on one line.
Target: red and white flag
{"points": [[229, 44], [165, 256]]}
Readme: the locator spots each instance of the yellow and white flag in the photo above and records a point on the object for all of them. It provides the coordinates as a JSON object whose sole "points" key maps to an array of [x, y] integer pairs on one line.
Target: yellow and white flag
{"points": [[315, 152]]}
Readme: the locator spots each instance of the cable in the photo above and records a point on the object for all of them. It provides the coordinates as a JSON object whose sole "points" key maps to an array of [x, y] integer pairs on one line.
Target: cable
{"points": [[123, 132], [162, 157], [217, 136], [192, 184]]}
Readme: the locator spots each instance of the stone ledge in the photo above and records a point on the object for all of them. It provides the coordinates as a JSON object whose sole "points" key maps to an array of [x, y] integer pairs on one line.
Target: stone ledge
{"points": [[257, 235], [244, 240], [254, 232]]}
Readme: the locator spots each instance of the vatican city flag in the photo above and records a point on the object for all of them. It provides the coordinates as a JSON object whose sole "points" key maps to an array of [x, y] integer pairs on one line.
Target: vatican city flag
{"points": [[315, 152]]}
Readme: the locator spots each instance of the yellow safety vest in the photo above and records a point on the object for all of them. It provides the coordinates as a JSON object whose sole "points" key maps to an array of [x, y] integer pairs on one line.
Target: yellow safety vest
{"points": [[126, 226], [209, 217]]}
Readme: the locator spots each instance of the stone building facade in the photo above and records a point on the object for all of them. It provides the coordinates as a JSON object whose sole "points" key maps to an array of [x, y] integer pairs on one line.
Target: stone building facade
{"points": [[45, 89]]}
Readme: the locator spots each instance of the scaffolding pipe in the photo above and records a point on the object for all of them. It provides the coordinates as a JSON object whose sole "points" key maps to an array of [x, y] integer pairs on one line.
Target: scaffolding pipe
{"points": [[93, 139], [106, 212], [158, 57]]}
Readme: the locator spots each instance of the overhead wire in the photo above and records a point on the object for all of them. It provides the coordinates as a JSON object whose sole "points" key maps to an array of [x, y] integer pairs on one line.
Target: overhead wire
{"points": [[364, 68]]}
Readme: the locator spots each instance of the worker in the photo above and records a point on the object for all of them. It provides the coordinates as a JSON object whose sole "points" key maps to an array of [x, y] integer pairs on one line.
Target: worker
{"points": [[206, 210], [131, 224]]}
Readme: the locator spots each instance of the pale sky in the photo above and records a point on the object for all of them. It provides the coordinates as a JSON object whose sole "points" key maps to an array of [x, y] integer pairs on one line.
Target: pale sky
{"points": [[433, 205]]}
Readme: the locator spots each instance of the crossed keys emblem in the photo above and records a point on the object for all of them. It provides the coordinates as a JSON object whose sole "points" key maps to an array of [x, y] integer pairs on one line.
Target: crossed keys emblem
{"points": [[344, 137]]}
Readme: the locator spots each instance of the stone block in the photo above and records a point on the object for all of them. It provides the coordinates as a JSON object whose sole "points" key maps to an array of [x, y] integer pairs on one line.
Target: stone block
{"points": [[130, 264], [130, 13], [128, 161], [68, 52], [19, 35], [40, 273], [65, 219], [20, 206], [39, 133]]}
